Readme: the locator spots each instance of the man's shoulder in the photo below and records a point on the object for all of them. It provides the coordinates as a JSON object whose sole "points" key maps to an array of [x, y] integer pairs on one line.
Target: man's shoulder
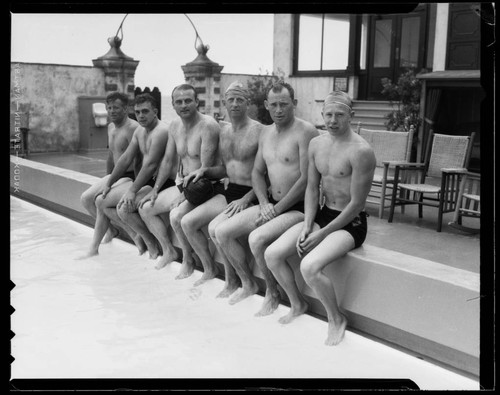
{"points": [[208, 122], [132, 124], [306, 126]]}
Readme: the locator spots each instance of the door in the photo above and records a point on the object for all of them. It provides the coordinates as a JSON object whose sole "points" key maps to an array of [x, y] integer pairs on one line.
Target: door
{"points": [[396, 44]]}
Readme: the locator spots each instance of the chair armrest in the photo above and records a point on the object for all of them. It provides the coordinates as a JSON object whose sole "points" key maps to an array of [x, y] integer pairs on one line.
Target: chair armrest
{"points": [[394, 163], [406, 165], [449, 170]]}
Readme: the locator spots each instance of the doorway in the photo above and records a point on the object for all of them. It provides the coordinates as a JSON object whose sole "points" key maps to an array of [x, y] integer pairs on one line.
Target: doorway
{"points": [[397, 42]]}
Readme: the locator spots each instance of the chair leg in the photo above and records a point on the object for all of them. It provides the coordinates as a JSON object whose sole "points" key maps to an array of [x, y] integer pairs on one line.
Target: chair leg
{"points": [[382, 201], [393, 202], [420, 206], [440, 212]]}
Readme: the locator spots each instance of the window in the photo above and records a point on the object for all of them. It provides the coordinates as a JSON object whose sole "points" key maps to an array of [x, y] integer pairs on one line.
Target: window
{"points": [[323, 42]]}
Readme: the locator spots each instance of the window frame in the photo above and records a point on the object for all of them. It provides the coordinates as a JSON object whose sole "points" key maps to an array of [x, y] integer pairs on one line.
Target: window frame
{"points": [[352, 50]]}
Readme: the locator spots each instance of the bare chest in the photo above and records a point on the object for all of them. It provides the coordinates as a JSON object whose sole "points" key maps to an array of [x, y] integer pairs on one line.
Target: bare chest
{"points": [[281, 149], [333, 164], [240, 148], [188, 144]]}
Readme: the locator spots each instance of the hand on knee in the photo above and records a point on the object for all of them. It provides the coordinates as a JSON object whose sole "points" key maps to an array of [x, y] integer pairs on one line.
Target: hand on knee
{"points": [[99, 203], [122, 214]]}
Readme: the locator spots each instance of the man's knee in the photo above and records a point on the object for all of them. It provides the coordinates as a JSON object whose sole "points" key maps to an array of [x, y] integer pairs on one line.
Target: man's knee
{"points": [[87, 198], [273, 257], [146, 210], [123, 214], [211, 230], [222, 233], [188, 223], [99, 203], [257, 241], [175, 217], [309, 272]]}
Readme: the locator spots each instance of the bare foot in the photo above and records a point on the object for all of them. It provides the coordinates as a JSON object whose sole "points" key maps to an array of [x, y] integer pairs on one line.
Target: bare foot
{"points": [[154, 251], [207, 275], [187, 268], [244, 292], [336, 331], [87, 255], [271, 303], [294, 312], [110, 234], [166, 259], [228, 290], [141, 246]]}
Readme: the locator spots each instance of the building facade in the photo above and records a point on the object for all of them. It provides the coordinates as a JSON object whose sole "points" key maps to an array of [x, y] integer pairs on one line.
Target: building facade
{"points": [[441, 42]]}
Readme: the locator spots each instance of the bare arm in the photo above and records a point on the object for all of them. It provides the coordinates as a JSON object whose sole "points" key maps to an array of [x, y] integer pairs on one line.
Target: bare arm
{"points": [[110, 163], [259, 175], [211, 164], [124, 162], [312, 190], [167, 162], [150, 161]]}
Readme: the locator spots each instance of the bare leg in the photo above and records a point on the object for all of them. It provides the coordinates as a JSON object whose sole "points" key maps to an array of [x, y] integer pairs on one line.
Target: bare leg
{"points": [[111, 213], [192, 224], [275, 256], [188, 262], [231, 280], [102, 221], [88, 202], [259, 240], [227, 234], [334, 246], [156, 219], [134, 220]]}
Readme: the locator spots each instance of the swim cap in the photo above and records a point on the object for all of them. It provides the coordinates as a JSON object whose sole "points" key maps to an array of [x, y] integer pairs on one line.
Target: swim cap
{"points": [[338, 97], [238, 88], [199, 192]]}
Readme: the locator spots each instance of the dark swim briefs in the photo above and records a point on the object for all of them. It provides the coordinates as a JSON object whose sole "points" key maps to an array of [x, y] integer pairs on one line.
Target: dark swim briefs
{"points": [[299, 206], [357, 228], [233, 191], [169, 183]]}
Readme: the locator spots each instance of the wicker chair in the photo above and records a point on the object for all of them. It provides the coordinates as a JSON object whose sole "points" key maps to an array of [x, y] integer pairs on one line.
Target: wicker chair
{"points": [[435, 182], [390, 148], [468, 201]]}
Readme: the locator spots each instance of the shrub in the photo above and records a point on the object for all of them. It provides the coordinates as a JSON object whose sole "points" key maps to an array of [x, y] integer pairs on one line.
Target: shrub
{"points": [[407, 95]]}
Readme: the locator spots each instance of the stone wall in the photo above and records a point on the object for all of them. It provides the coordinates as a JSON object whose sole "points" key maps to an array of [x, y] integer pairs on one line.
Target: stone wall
{"points": [[51, 92]]}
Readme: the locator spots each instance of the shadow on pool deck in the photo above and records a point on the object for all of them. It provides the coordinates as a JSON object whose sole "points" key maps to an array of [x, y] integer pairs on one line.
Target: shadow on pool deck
{"points": [[406, 234]]}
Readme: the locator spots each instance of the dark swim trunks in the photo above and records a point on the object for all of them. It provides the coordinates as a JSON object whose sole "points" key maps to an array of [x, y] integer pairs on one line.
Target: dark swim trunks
{"points": [[357, 228], [299, 206], [233, 191], [169, 183]]}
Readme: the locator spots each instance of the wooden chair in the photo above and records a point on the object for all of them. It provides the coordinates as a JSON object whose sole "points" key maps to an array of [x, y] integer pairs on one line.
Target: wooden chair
{"points": [[390, 148], [435, 182], [468, 201]]}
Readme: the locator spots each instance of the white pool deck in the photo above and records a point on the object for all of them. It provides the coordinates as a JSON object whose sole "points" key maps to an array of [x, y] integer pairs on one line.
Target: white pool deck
{"points": [[116, 316]]}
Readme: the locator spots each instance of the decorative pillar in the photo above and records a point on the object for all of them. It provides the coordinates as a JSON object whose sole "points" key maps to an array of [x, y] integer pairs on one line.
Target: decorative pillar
{"points": [[205, 75], [119, 69]]}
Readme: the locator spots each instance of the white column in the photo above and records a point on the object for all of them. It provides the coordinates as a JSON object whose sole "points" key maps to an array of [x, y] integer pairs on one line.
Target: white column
{"points": [[441, 36]]}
